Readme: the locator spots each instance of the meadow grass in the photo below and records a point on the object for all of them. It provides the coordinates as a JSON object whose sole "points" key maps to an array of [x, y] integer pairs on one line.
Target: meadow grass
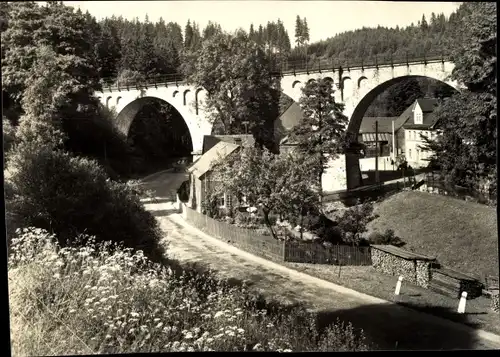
{"points": [[103, 298]]}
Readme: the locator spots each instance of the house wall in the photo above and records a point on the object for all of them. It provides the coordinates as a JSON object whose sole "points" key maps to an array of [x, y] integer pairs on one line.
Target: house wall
{"points": [[415, 155], [196, 194], [418, 115], [368, 164], [400, 142], [334, 177]]}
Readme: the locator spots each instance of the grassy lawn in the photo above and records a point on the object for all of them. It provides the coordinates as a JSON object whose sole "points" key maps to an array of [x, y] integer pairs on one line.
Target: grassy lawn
{"points": [[367, 280], [461, 235]]}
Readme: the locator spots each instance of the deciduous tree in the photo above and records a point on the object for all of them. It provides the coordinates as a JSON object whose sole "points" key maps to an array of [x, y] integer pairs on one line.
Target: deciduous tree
{"points": [[278, 184], [235, 73]]}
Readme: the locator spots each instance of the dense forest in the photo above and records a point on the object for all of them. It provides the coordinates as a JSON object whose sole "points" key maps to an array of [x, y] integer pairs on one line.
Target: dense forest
{"points": [[122, 45]]}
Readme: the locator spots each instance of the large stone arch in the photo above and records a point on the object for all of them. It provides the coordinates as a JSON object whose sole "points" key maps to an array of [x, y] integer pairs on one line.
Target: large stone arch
{"points": [[126, 116], [357, 115], [353, 175]]}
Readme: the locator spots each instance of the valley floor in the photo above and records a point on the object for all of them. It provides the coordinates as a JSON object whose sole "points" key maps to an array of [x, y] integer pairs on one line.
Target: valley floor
{"points": [[386, 324]]}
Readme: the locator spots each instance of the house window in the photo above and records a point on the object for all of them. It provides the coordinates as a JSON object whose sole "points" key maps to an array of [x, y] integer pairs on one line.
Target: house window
{"points": [[237, 141], [409, 153], [229, 200], [221, 201], [418, 118], [418, 153]]}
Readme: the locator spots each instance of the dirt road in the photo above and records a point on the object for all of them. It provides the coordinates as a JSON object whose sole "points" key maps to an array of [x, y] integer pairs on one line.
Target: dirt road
{"points": [[386, 324]]}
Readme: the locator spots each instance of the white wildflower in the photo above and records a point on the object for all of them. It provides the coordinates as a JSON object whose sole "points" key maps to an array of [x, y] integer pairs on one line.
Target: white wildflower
{"points": [[218, 314]]}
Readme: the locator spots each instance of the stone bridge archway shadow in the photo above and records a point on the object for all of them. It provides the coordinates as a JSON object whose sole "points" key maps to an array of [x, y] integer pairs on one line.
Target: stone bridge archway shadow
{"points": [[154, 118]]}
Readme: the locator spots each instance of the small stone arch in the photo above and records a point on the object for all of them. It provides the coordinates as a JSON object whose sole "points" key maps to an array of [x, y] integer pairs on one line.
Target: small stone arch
{"points": [[360, 80], [344, 79], [328, 79], [107, 101], [175, 93], [311, 80], [295, 83], [118, 100], [196, 101], [184, 96]]}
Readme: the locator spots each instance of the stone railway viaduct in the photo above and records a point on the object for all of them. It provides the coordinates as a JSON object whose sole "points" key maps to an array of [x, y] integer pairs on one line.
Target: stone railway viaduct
{"points": [[355, 86]]}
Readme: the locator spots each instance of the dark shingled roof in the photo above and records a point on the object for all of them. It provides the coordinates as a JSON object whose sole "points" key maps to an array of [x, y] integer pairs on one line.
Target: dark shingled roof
{"points": [[427, 104], [384, 124], [429, 119]]}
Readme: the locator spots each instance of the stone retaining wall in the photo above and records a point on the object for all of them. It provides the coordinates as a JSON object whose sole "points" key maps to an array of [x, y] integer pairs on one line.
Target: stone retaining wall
{"points": [[414, 271]]}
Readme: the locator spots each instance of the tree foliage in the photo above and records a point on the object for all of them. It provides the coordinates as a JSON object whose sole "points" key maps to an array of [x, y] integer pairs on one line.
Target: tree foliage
{"points": [[69, 195], [321, 132], [354, 221], [9, 134], [413, 40], [278, 184], [234, 71], [466, 150]]}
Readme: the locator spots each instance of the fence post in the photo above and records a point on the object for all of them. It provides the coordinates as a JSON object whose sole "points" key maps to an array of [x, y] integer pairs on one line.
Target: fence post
{"points": [[284, 249]]}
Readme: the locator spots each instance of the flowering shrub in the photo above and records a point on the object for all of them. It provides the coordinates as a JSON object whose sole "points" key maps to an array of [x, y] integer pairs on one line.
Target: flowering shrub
{"points": [[68, 195], [92, 299]]}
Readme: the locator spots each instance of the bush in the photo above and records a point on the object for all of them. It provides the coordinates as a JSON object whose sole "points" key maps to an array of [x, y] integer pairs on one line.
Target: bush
{"points": [[69, 195], [90, 300], [129, 77], [263, 231], [9, 134], [247, 220], [388, 237], [183, 191], [354, 221]]}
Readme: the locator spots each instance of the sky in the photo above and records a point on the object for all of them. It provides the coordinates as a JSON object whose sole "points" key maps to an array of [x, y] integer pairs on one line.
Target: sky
{"points": [[325, 18]]}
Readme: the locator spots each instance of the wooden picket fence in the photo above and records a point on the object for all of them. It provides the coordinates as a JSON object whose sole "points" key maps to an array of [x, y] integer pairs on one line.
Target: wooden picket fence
{"points": [[301, 252], [270, 248]]}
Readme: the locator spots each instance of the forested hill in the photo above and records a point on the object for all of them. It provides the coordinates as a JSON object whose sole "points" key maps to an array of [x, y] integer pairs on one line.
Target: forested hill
{"points": [[428, 36]]}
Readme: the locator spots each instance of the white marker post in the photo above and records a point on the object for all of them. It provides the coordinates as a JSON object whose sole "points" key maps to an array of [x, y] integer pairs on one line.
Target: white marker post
{"points": [[461, 304], [398, 285]]}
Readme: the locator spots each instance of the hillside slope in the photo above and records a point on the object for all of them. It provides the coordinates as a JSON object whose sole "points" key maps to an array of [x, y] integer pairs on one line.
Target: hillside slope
{"points": [[461, 235]]}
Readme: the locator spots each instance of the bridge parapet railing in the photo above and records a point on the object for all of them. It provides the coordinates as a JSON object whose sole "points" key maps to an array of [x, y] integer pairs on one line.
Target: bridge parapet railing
{"points": [[290, 66], [329, 64], [156, 80]]}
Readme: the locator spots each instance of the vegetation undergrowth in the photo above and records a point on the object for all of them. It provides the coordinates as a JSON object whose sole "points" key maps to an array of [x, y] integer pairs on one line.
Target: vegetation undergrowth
{"points": [[93, 299]]}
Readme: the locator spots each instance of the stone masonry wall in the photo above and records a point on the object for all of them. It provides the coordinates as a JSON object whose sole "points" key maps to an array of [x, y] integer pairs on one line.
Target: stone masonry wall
{"points": [[415, 272]]}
